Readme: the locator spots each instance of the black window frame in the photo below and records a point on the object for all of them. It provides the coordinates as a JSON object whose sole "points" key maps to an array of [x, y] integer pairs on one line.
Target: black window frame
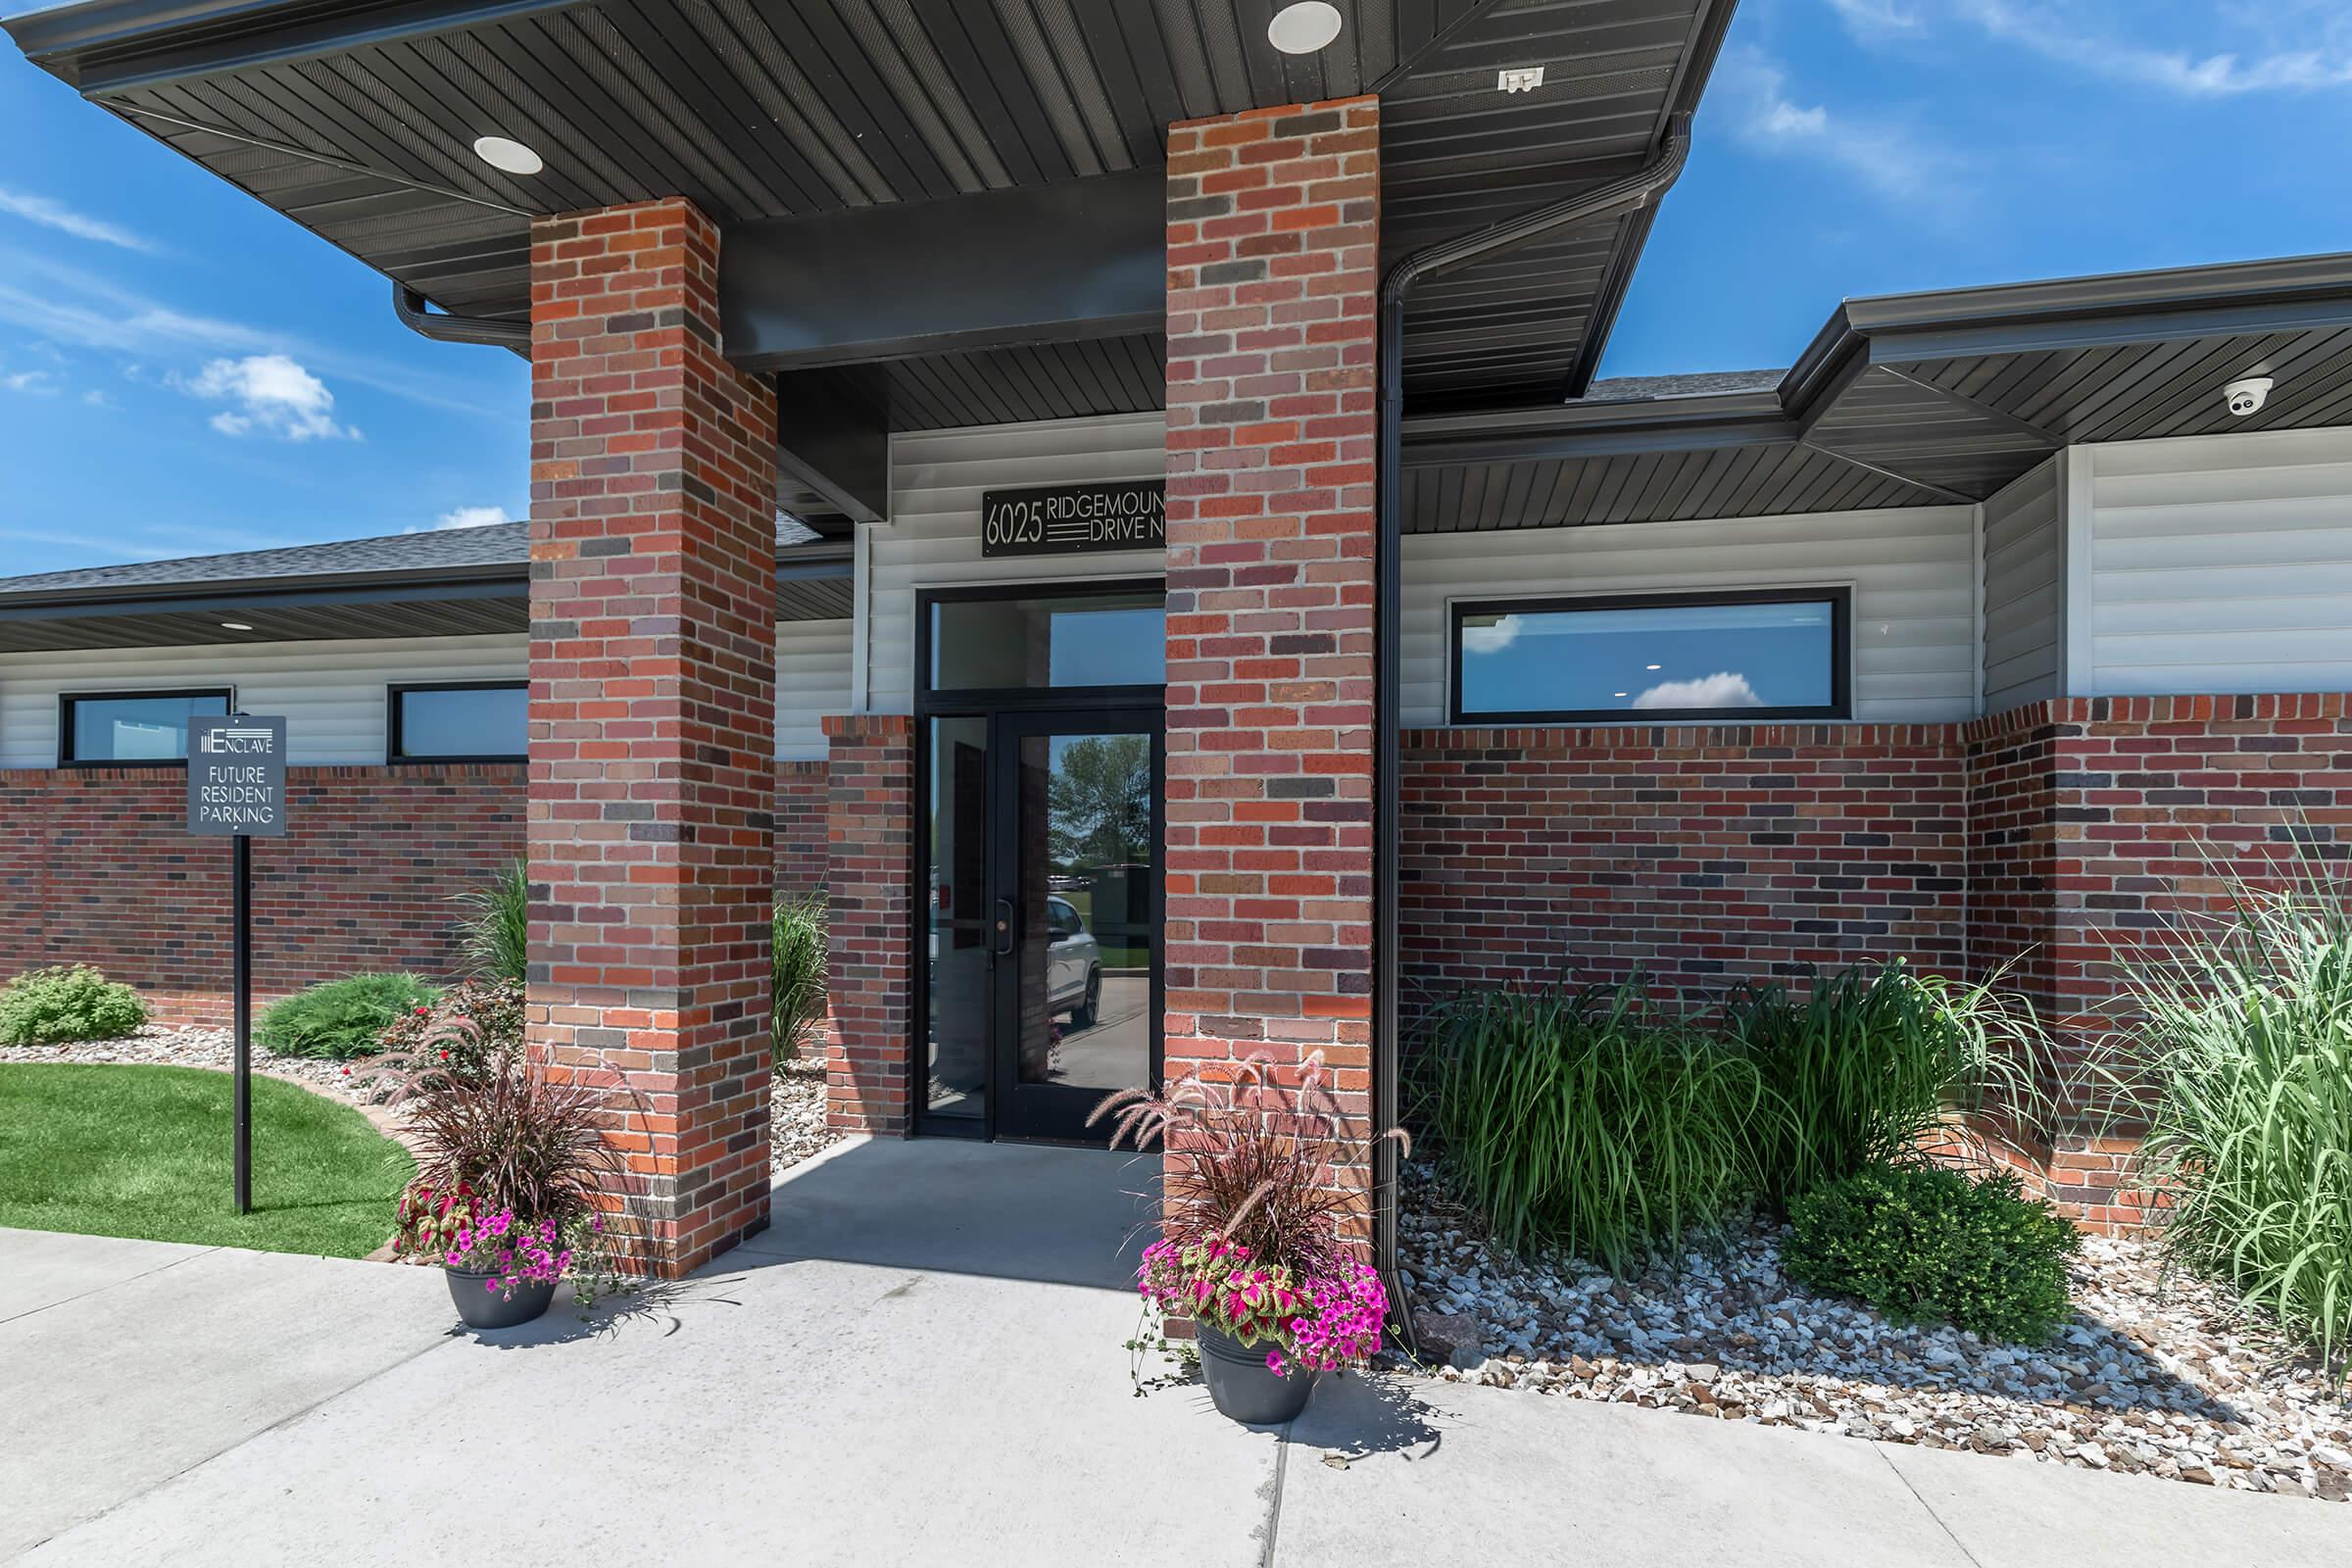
{"points": [[1840, 598], [394, 757], [64, 721]]}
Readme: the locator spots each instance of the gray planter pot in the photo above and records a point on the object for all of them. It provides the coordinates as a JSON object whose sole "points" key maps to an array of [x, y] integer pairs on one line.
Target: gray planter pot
{"points": [[1240, 1383], [484, 1308]]}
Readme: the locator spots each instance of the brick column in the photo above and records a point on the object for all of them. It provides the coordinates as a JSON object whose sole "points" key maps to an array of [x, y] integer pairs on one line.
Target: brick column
{"points": [[652, 711], [1273, 273], [870, 830]]}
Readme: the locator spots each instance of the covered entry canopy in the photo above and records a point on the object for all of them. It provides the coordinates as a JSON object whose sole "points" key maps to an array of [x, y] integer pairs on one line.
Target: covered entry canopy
{"points": [[786, 119], [1907, 400]]}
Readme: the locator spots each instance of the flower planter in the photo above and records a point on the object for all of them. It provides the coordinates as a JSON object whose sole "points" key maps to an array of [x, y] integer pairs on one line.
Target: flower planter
{"points": [[481, 1307], [1244, 1388]]}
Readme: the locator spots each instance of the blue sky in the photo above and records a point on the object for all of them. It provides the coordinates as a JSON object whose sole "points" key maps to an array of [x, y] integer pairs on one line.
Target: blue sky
{"points": [[182, 372]]}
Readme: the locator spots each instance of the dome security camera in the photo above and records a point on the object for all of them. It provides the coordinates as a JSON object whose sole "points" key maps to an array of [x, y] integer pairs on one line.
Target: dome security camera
{"points": [[2246, 396]]}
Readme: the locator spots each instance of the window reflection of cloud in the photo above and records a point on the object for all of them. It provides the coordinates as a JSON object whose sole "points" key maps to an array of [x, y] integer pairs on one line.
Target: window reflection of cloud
{"points": [[1723, 689]]}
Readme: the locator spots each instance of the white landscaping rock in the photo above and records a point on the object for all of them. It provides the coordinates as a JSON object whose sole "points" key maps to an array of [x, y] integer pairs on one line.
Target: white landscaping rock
{"points": [[2174, 1381]]}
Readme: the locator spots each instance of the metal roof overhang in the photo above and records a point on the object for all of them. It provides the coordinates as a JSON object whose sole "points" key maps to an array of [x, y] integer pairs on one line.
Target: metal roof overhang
{"points": [[812, 584], [1911, 400], [355, 118]]}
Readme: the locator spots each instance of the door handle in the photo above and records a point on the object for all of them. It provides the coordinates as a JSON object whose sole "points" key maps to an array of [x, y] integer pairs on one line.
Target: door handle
{"points": [[1004, 928]]}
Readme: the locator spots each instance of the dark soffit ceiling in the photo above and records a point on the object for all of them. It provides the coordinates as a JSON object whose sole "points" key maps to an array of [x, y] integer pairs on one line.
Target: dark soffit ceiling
{"points": [[1909, 400], [356, 121]]}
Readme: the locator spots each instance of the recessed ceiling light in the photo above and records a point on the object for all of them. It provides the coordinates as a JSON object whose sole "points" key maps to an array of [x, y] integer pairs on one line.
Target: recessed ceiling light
{"points": [[508, 156], [1305, 27], [235, 625], [1621, 694], [1653, 666]]}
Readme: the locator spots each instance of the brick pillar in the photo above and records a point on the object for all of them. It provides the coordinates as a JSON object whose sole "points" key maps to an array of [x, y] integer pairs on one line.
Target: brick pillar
{"points": [[870, 830], [652, 711], [1273, 273]]}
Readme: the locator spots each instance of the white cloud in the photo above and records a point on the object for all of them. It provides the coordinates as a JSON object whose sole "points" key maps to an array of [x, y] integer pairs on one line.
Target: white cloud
{"points": [[273, 394], [40, 383], [2276, 47], [76, 306], [96, 398], [1723, 689], [1876, 16], [473, 517], [57, 216], [1490, 639], [1885, 158]]}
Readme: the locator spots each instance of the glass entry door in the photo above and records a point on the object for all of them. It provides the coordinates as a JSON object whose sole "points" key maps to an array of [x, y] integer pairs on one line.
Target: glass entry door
{"points": [[1076, 916], [1039, 767]]}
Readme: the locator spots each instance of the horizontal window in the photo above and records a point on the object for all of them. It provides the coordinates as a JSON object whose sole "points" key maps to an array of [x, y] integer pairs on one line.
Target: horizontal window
{"points": [[484, 721], [1108, 639], [1723, 655], [99, 727]]}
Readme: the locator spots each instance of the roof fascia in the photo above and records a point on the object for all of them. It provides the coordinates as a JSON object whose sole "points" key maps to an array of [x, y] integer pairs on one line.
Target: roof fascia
{"points": [[109, 46]]}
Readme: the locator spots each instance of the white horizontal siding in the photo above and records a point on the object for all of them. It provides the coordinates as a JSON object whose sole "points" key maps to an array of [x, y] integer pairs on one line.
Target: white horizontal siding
{"points": [[2219, 563], [813, 679], [1912, 571], [933, 537], [2025, 581], [331, 692]]}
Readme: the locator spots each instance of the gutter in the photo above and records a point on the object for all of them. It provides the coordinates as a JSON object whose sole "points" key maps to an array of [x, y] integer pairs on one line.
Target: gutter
{"points": [[491, 332], [1635, 192]]}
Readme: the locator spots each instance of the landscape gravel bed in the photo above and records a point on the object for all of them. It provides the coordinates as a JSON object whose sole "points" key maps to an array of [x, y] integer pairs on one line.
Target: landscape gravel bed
{"points": [[193, 1045], [796, 1119], [797, 1112], [2163, 1375]]}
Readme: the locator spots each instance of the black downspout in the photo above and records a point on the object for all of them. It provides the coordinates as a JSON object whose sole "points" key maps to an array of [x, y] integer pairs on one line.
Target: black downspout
{"points": [[1636, 191], [498, 332]]}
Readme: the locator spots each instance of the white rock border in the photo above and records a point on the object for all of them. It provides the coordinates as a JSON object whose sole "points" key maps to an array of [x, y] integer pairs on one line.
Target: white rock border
{"points": [[2166, 1376]]}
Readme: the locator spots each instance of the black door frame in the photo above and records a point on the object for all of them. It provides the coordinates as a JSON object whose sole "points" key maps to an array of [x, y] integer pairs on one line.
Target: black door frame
{"points": [[1071, 701]]}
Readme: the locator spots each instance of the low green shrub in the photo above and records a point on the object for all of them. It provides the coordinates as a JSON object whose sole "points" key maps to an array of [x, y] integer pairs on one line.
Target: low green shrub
{"points": [[48, 1007], [2239, 1065], [341, 1018], [1870, 1064], [798, 962], [1923, 1243], [1583, 1120], [495, 931]]}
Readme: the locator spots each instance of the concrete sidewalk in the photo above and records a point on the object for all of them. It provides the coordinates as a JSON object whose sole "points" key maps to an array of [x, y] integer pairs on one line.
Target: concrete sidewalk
{"points": [[920, 1361]]}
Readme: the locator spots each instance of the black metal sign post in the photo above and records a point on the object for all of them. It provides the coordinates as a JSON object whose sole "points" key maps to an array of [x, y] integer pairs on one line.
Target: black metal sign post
{"points": [[237, 789]]}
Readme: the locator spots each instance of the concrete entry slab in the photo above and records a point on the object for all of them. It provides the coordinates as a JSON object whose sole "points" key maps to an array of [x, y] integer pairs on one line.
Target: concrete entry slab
{"points": [[116, 1390], [1448, 1472], [48, 1267], [2011, 1513]]}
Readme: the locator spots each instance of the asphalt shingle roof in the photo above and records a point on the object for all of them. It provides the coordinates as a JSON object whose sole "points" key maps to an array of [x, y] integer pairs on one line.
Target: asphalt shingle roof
{"points": [[1628, 388], [504, 544]]}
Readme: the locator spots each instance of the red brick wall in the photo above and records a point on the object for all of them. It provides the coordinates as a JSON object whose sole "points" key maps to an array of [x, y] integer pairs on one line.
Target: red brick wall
{"points": [[871, 803], [652, 711], [803, 813], [2155, 795], [96, 866], [1700, 854], [1273, 268]]}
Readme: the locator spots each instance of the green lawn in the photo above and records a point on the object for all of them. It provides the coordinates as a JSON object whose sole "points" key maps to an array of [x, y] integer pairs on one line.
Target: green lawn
{"points": [[144, 1151]]}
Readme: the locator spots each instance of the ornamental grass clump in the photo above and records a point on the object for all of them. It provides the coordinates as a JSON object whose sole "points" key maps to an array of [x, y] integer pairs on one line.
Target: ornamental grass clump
{"points": [[2240, 1066], [495, 932], [1586, 1120], [1872, 1062], [1255, 1197], [797, 972]]}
